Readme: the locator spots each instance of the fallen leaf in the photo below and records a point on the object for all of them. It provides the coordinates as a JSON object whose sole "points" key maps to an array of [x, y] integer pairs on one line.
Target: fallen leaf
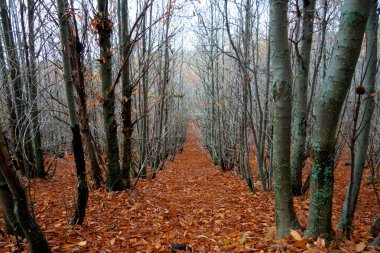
{"points": [[68, 246], [301, 243], [82, 243], [360, 246], [229, 247], [295, 235], [243, 239], [320, 242]]}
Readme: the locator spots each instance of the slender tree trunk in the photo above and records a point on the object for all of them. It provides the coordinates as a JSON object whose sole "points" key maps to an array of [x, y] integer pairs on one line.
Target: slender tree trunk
{"points": [[28, 147], [79, 83], [259, 134], [40, 171], [165, 83], [265, 177], [329, 104], [15, 74], [6, 199], [32, 231], [82, 189], [212, 88], [104, 27], [300, 105], [12, 114], [246, 86], [126, 101], [143, 156], [29, 150], [286, 217], [365, 115]]}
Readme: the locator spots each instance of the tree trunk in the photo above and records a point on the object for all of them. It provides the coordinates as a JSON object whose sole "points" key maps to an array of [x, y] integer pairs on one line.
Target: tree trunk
{"points": [[28, 148], [33, 95], [82, 189], [143, 154], [246, 86], [14, 65], [162, 96], [32, 231], [286, 218], [7, 204], [104, 28], [365, 115], [6, 199], [12, 114], [300, 105], [329, 104], [126, 101], [78, 78]]}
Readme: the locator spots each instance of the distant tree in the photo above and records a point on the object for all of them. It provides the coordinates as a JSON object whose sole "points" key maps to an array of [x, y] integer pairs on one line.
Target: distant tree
{"points": [[127, 89], [30, 59]]}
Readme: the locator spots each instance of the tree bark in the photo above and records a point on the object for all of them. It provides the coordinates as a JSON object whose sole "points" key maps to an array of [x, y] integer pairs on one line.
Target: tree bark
{"points": [[365, 116], [32, 231], [7, 204], [300, 104], [78, 78], [82, 189], [126, 101], [286, 217], [164, 82], [104, 28], [33, 93], [143, 142], [329, 104]]}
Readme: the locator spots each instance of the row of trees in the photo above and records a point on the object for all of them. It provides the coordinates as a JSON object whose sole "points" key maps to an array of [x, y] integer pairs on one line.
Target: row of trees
{"points": [[277, 89], [288, 87], [123, 78]]}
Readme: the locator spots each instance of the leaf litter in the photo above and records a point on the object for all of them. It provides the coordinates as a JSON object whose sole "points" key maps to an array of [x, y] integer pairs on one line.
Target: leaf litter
{"points": [[190, 203]]}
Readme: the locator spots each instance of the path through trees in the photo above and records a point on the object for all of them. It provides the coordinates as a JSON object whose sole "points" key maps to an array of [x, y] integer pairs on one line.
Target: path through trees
{"points": [[190, 202]]}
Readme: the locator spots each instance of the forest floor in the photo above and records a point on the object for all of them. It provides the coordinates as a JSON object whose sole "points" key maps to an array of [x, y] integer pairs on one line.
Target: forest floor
{"points": [[190, 202]]}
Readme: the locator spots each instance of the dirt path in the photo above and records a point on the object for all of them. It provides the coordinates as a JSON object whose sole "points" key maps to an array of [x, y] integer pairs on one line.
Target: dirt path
{"points": [[191, 202]]}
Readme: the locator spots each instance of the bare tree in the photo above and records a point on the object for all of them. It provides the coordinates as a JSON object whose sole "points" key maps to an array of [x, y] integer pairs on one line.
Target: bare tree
{"points": [[32, 231], [329, 104], [82, 189], [286, 218]]}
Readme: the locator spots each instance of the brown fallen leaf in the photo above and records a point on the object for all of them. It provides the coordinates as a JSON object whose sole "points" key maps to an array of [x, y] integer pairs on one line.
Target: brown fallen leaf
{"points": [[360, 246], [82, 243], [301, 243]]}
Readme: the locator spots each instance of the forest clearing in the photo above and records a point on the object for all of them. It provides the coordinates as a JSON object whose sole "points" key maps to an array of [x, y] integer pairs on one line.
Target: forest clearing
{"points": [[189, 126]]}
